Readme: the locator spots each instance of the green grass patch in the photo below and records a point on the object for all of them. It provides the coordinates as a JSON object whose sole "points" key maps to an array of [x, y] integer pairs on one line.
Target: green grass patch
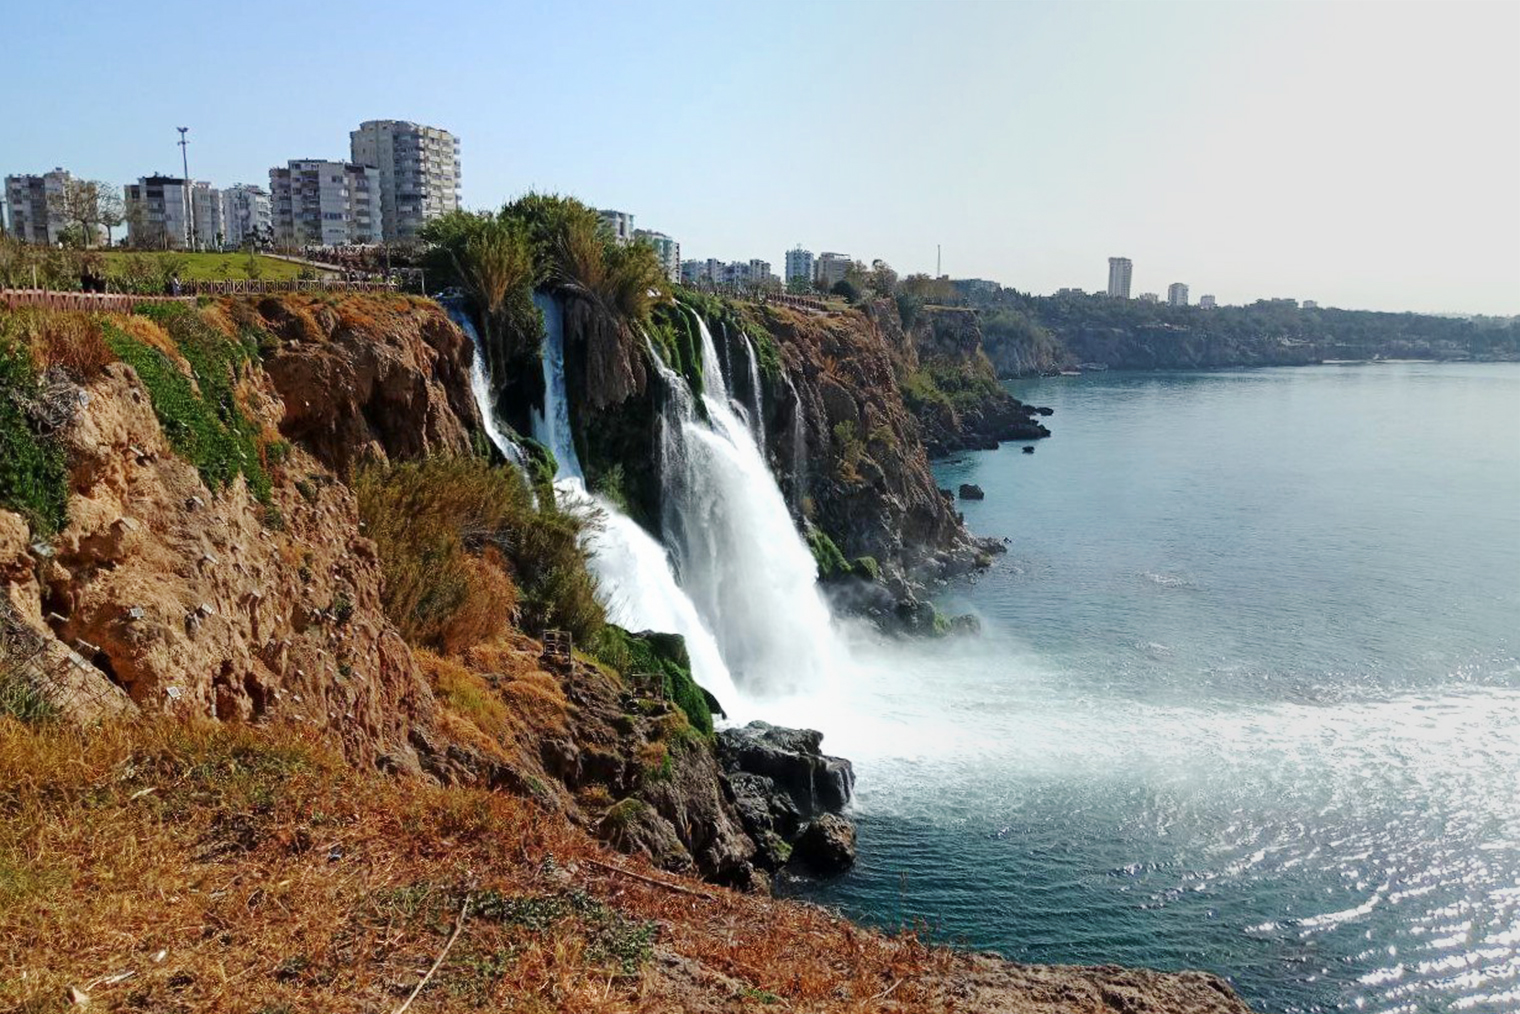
{"points": [[611, 938], [203, 267], [202, 420], [34, 478]]}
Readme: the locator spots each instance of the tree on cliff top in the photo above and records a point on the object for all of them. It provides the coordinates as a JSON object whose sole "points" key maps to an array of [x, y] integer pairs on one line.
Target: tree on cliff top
{"points": [[576, 253]]}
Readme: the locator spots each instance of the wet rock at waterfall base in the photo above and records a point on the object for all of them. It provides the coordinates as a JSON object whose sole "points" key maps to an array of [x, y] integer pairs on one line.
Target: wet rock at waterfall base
{"points": [[792, 759], [782, 784]]}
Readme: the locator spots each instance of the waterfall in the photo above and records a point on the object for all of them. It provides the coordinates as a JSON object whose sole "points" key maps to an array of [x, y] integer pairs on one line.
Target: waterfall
{"points": [[713, 384], [551, 425], [632, 570], [737, 553], [737, 581], [756, 394], [799, 451], [480, 387]]}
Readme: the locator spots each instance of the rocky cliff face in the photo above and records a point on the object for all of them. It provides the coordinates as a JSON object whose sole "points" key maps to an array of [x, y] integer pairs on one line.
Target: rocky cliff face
{"points": [[953, 387], [189, 598], [259, 599]]}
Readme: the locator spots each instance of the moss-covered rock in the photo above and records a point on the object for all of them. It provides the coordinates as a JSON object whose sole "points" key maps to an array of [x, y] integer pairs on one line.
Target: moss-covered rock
{"points": [[663, 656]]}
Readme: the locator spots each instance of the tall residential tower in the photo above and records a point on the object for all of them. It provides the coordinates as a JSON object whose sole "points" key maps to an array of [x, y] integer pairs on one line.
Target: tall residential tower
{"points": [[1120, 269], [418, 173]]}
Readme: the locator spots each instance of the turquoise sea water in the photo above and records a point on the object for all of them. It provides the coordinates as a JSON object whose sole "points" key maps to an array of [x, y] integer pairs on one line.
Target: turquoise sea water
{"points": [[1247, 698]]}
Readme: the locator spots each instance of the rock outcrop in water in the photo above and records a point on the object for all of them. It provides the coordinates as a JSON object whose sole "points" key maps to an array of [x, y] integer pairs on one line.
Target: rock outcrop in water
{"points": [[790, 795]]}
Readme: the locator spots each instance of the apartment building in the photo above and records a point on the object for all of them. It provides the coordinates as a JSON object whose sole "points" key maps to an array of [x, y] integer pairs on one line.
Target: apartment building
{"points": [[245, 216], [29, 202], [314, 202], [667, 249], [1207, 302], [1120, 271], [417, 174], [830, 269], [697, 272], [799, 264], [208, 232], [160, 214], [620, 222], [1177, 294]]}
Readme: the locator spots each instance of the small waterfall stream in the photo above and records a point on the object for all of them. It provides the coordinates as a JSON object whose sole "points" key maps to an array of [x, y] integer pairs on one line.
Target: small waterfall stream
{"points": [[480, 387], [756, 394]]}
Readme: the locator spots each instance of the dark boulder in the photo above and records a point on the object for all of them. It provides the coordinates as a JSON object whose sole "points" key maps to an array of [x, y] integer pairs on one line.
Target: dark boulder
{"points": [[791, 759], [826, 846], [1029, 448], [971, 491]]}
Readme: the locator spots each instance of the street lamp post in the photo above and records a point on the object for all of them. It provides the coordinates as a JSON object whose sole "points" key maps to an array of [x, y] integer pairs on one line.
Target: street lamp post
{"points": [[184, 161]]}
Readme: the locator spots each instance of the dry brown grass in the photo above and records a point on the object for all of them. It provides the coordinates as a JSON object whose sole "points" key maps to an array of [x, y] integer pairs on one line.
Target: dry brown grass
{"points": [[246, 870], [67, 339]]}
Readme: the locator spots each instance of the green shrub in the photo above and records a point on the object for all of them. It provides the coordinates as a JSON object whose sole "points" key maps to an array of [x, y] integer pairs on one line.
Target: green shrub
{"points": [[20, 697], [432, 521], [831, 562], [34, 478]]}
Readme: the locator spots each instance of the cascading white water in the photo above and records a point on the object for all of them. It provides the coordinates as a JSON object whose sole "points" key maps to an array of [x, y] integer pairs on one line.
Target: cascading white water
{"points": [[737, 553], [551, 426], [713, 384], [480, 387], [799, 452], [756, 394], [632, 570]]}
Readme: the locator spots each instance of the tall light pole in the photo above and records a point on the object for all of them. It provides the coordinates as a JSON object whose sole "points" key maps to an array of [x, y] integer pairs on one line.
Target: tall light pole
{"points": [[184, 161]]}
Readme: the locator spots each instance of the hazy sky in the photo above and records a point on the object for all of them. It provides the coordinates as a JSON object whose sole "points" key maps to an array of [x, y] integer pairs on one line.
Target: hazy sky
{"points": [[1363, 155]]}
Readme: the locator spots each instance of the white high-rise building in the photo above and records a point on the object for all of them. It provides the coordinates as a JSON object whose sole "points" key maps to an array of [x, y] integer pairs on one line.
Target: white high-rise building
{"points": [[159, 213], [799, 264], [620, 222], [314, 202], [245, 215], [206, 216], [418, 174], [1176, 294], [830, 268], [667, 249], [29, 203], [1120, 270], [1207, 302]]}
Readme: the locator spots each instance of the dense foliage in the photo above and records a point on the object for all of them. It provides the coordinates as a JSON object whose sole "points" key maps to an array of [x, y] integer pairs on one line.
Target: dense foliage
{"points": [[466, 550], [1025, 333], [33, 474], [663, 657]]}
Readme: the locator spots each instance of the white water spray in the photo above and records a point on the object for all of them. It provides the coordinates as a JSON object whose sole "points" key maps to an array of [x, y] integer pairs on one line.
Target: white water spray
{"points": [[756, 394]]}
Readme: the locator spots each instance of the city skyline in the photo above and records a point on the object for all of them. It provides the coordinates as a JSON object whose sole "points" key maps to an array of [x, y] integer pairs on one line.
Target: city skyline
{"points": [[1374, 175]]}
